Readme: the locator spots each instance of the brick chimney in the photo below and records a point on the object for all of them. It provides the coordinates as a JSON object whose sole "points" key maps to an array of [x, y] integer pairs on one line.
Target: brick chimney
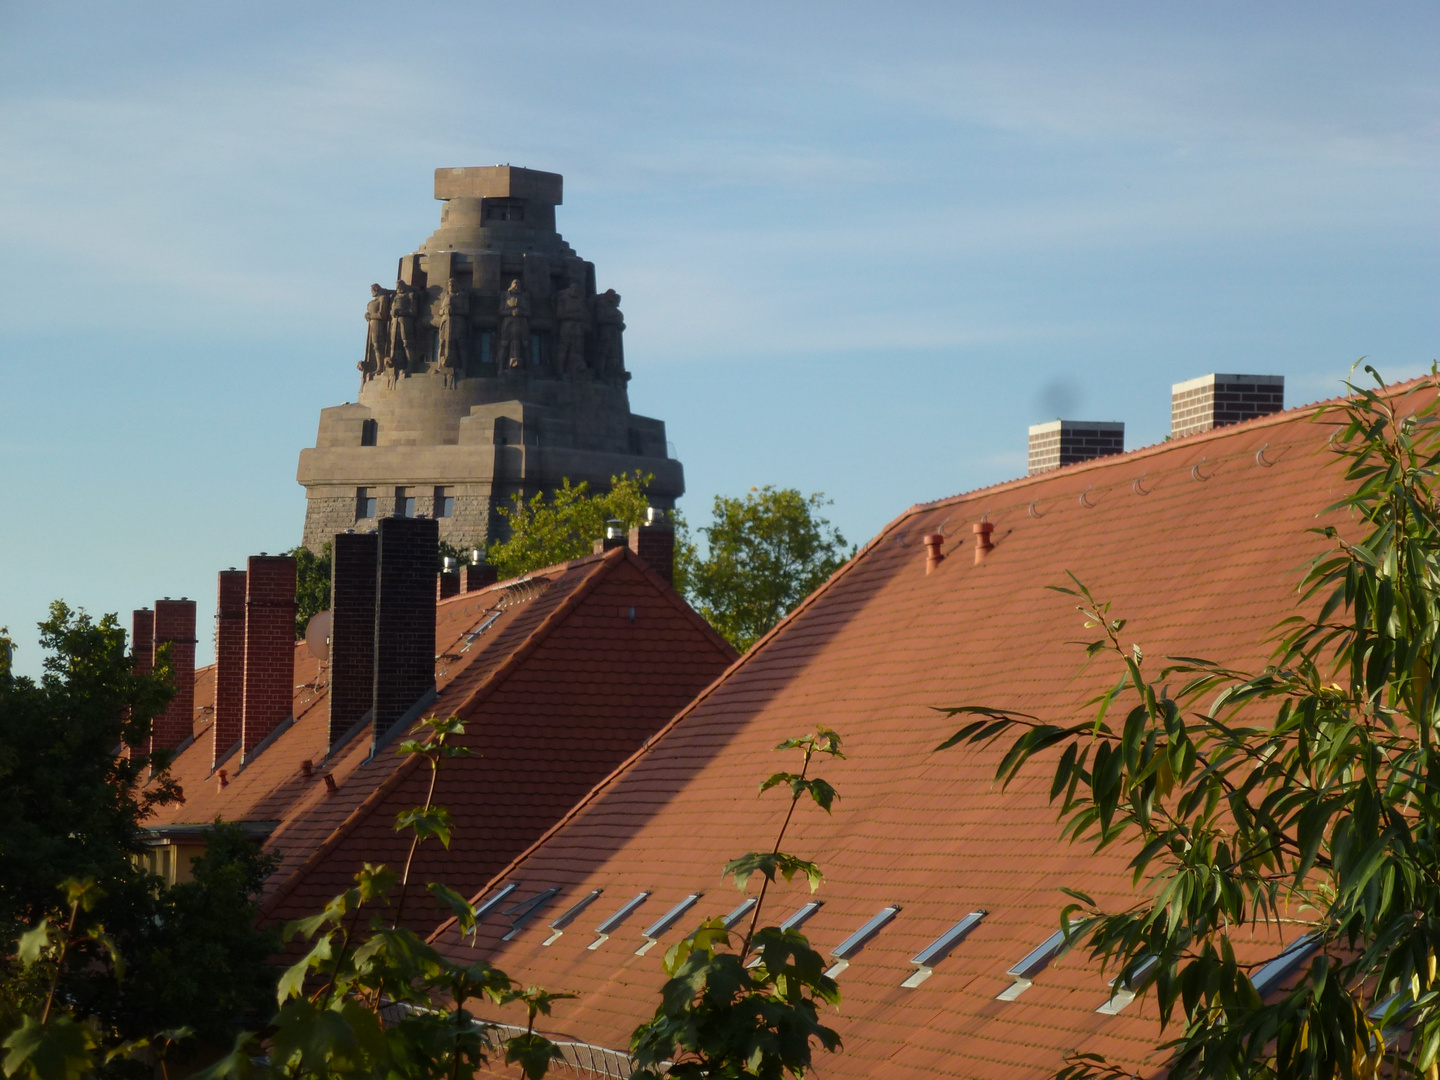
{"points": [[477, 574], [229, 665], [142, 640], [654, 541], [614, 536], [269, 649], [174, 623], [1067, 442], [404, 621], [447, 584], [1213, 401], [352, 631]]}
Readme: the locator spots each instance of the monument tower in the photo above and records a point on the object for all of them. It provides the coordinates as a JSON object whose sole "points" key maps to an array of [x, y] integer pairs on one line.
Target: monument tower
{"points": [[492, 368]]}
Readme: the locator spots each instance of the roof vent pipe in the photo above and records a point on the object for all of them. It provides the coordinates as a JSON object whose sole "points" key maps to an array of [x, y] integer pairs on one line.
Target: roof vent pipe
{"points": [[615, 536], [983, 544], [933, 555]]}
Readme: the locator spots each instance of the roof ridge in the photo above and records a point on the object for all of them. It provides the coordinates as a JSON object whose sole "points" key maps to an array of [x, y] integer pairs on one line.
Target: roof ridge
{"points": [[487, 687]]}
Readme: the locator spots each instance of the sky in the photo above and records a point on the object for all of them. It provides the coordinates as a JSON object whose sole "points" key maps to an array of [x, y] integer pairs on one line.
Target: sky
{"points": [[861, 246]]}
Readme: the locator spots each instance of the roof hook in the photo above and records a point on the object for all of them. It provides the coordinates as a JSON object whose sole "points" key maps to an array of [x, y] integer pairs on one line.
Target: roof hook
{"points": [[1086, 502], [941, 529], [1033, 512], [1195, 473], [1135, 487], [1260, 458], [985, 516]]}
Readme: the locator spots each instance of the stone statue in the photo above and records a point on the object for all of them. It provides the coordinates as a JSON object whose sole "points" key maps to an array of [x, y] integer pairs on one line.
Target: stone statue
{"points": [[403, 353], [514, 329], [570, 313], [609, 346], [454, 331], [377, 333]]}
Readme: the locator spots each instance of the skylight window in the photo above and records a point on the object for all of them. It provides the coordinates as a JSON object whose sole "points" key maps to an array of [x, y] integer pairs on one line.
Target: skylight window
{"points": [[937, 950], [669, 919], [1034, 962], [557, 927], [1284, 965], [610, 925], [526, 910], [739, 913], [495, 901], [1122, 995], [852, 945]]}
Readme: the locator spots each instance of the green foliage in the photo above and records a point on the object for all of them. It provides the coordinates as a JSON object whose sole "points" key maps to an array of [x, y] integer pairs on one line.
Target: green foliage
{"points": [[545, 531], [1307, 793], [751, 1011], [764, 554], [312, 584]]}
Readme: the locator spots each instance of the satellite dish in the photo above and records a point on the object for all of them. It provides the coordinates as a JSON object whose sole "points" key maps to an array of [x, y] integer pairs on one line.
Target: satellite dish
{"points": [[317, 636]]}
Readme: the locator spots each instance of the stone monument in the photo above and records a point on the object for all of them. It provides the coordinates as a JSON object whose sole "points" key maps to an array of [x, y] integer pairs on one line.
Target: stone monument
{"points": [[491, 369]]}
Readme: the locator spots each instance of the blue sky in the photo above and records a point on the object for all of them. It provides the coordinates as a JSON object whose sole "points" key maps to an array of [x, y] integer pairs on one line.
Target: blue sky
{"points": [[861, 246]]}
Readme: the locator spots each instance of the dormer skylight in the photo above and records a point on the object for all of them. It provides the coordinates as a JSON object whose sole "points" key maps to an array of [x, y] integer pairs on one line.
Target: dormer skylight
{"points": [[660, 925], [852, 945], [610, 925], [1122, 995], [1283, 966], [794, 922], [557, 927], [937, 950], [1035, 961], [741, 910], [526, 910]]}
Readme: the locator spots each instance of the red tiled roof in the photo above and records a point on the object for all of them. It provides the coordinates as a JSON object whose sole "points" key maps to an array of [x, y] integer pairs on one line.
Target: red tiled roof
{"points": [[581, 663], [1198, 542]]}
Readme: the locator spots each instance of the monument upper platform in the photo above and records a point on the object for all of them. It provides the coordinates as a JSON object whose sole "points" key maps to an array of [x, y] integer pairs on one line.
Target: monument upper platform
{"points": [[499, 182]]}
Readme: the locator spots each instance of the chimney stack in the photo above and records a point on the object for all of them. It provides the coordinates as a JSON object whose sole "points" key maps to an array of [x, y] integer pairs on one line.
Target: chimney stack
{"points": [[477, 574], [142, 640], [229, 664], [1066, 442], [404, 620], [448, 582], [654, 541], [174, 622], [269, 649], [352, 631], [1213, 401]]}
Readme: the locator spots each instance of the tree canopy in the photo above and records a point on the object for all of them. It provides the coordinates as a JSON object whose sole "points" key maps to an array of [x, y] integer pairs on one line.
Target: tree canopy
{"points": [[764, 553], [1302, 797], [564, 525]]}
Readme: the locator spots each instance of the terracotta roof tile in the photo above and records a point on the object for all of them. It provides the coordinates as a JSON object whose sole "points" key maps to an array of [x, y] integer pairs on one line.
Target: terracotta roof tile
{"points": [[1198, 542], [556, 691]]}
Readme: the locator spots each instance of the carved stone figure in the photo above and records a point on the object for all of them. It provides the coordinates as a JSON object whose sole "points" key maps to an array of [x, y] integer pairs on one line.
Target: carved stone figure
{"points": [[454, 331], [514, 329], [570, 313], [609, 345], [377, 333], [403, 351]]}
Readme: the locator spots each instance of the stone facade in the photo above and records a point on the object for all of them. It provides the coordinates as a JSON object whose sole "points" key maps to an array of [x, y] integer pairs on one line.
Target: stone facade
{"points": [[492, 369]]}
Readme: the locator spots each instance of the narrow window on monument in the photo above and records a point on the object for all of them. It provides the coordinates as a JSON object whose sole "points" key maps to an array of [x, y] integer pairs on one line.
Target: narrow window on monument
{"points": [[404, 502], [485, 346], [368, 431], [364, 504], [444, 503], [534, 350]]}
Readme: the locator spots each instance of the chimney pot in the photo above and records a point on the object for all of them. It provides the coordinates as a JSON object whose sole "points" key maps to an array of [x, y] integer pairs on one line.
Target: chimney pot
{"points": [[330, 784], [983, 544], [654, 541], [224, 778], [614, 535], [933, 555], [307, 768]]}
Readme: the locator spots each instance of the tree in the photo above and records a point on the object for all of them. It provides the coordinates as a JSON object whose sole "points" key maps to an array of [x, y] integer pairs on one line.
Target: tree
{"points": [[751, 1011], [764, 554], [565, 524], [312, 584], [71, 809], [1307, 792]]}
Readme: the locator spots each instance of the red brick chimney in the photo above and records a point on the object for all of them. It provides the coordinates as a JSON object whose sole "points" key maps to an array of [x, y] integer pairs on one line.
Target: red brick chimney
{"points": [[142, 640], [352, 631], [447, 584], [477, 574], [654, 541], [404, 619], [229, 665], [175, 627], [269, 649]]}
